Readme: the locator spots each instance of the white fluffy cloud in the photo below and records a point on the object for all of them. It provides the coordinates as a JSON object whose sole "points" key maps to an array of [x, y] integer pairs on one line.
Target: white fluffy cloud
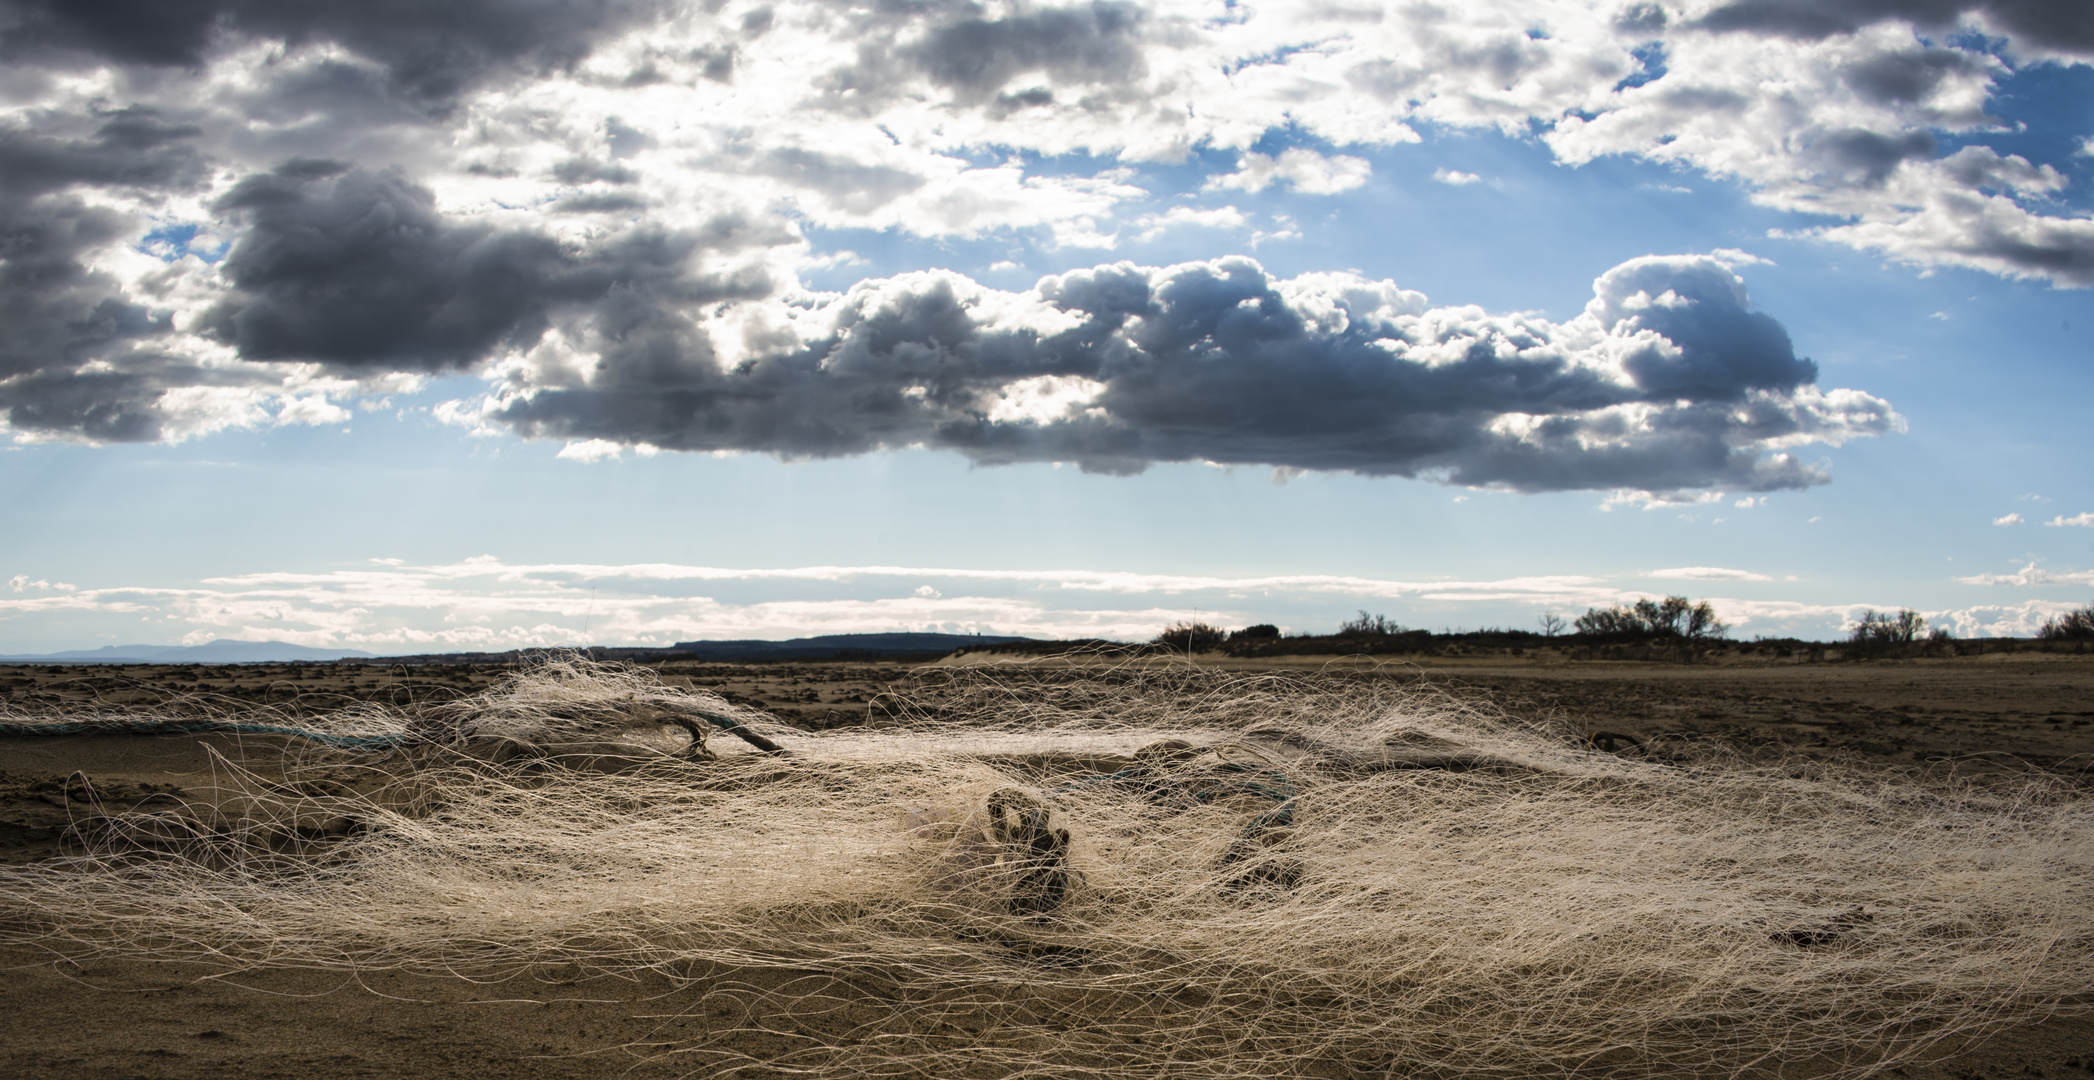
{"points": [[1303, 170], [1708, 573]]}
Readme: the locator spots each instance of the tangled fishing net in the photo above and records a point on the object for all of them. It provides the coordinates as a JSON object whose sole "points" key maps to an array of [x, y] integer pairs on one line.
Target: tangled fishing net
{"points": [[1122, 872]]}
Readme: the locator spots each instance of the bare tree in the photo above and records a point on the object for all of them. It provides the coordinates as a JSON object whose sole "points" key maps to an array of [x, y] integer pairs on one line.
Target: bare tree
{"points": [[1887, 628], [1675, 616], [2072, 624], [1370, 626], [1552, 624]]}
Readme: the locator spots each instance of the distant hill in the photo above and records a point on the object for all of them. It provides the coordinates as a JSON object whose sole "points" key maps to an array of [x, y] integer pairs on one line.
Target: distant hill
{"points": [[221, 651], [839, 646], [826, 647]]}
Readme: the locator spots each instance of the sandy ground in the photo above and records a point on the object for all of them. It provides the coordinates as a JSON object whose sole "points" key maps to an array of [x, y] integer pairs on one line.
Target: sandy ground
{"points": [[1990, 714]]}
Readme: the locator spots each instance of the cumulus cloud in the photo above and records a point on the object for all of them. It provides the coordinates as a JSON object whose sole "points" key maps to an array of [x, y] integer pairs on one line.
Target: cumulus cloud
{"points": [[1455, 177], [1668, 382], [2007, 519], [2084, 520]]}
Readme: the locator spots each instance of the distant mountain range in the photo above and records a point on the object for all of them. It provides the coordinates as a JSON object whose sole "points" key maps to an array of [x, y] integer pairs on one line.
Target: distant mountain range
{"points": [[825, 647], [215, 652]]}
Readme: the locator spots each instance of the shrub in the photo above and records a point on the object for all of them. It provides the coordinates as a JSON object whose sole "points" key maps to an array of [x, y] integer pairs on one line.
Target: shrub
{"points": [[1192, 637], [1260, 632], [1369, 626], [1675, 616], [1886, 628], [2071, 625]]}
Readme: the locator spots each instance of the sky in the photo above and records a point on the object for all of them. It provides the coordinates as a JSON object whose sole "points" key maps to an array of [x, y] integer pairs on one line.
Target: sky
{"points": [[509, 323]]}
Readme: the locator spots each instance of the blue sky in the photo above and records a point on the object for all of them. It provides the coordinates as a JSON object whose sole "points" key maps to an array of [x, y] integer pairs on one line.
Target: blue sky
{"points": [[602, 338]]}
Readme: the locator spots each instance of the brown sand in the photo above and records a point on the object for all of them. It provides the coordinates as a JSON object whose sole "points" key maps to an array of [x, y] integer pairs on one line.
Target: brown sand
{"points": [[135, 1019]]}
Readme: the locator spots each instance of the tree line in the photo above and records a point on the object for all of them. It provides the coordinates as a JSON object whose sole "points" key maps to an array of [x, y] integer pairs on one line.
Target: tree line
{"points": [[1675, 618]]}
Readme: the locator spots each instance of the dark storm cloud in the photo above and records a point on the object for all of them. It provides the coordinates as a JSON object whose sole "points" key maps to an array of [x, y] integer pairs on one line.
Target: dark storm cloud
{"points": [[1219, 362], [955, 47], [600, 202], [128, 147], [583, 171], [320, 108], [1867, 158], [1093, 44], [101, 406], [352, 269], [59, 313], [358, 270], [2064, 25], [430, 50], [1904, 77]]}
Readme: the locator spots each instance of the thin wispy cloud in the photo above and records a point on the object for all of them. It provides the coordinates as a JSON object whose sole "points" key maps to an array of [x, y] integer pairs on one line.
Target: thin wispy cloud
{"points": [[1565, 587], [486, 603], [2032, 574], [1707, 573]]}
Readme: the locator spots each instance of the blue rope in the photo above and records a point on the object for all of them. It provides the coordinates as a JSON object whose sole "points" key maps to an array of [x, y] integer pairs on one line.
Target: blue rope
{"points": [[192, 727], [371, 743]]}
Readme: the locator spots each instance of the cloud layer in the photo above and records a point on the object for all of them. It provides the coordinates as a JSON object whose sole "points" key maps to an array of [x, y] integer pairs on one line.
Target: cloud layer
{"points": [[223, 212], [487, 603]]}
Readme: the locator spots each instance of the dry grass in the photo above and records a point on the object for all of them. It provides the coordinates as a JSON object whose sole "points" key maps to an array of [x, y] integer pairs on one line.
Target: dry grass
{"points": [[1562, 910]]}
